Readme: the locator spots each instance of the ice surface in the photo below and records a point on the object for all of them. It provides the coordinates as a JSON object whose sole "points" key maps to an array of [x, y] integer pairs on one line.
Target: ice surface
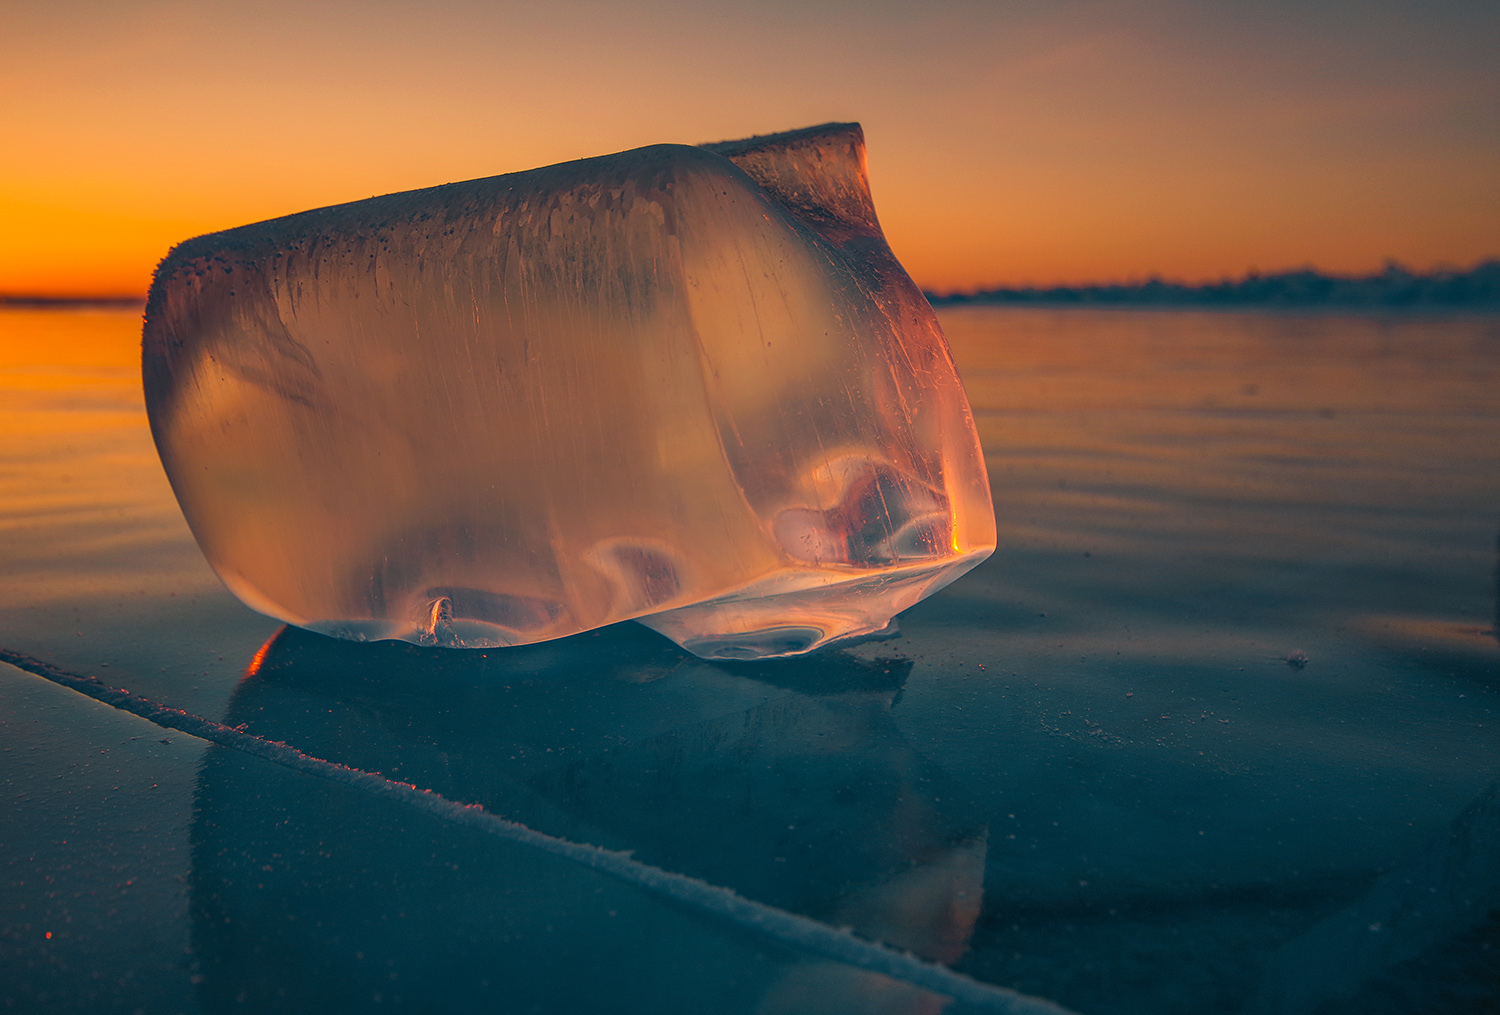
{"points": [[690, 386]]}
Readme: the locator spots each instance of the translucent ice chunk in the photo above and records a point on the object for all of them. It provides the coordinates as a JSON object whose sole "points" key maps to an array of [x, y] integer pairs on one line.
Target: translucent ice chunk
{"points": [[690, 386]]}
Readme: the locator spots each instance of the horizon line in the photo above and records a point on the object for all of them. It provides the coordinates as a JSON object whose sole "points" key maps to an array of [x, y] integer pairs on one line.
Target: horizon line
{"points": [[1394, 272]]}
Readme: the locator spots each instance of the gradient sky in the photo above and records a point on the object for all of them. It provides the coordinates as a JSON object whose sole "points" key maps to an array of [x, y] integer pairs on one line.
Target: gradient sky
{"points": [[1009, 142]]}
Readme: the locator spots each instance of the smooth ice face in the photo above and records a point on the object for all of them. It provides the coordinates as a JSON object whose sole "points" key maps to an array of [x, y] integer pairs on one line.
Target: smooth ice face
{"points": [[690, 386]]}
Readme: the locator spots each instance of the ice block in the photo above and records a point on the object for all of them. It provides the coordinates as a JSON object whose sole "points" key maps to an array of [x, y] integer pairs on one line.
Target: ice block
{"points": [[685, 385]]}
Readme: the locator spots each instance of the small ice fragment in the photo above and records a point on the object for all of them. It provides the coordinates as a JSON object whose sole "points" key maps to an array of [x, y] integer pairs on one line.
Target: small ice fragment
{"points": [[690, 386]]}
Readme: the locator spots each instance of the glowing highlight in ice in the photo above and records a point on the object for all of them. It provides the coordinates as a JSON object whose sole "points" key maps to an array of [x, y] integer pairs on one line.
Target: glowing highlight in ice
{"points": [[689, 386]]}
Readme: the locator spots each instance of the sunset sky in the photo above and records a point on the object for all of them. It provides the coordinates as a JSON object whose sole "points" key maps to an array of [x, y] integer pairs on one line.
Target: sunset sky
{"points": [[1009, 143]]}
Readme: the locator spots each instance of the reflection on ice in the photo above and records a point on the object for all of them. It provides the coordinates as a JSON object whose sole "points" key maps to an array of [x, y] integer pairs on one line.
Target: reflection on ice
{"points": [[688, 385], [788, 783], [1425, 938]]}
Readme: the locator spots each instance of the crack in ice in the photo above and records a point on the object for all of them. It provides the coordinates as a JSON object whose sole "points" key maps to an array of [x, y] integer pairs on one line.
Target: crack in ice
{"points": [[789, 928]]}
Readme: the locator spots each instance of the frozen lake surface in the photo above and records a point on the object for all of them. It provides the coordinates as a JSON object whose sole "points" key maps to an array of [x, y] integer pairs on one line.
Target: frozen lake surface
{"points": [[1214, 730]]}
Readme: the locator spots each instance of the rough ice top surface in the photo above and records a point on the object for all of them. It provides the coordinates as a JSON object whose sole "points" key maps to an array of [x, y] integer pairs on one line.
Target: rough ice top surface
{"points": [[686, 385]]}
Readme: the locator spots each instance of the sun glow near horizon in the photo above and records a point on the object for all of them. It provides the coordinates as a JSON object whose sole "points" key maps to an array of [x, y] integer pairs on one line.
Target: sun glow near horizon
{"points": [[1086, 142]]}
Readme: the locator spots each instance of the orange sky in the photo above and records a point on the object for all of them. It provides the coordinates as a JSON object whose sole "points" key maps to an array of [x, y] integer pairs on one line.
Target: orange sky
{"points": [[1009, 142]]}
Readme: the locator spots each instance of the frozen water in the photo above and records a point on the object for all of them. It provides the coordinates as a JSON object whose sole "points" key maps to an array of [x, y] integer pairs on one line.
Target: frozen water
{"points": [[1196, 824], [690, 386]]}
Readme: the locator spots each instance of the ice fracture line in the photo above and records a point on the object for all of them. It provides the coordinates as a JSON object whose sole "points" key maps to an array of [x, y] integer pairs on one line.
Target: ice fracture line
{"points": [[788, 928]]}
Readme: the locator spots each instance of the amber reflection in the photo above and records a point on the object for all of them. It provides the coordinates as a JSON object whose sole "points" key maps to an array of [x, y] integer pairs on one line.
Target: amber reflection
{"points": [[84, 507], [788, 783]]}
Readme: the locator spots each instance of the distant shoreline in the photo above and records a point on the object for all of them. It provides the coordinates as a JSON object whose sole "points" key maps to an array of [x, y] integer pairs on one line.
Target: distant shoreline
{"points": [[1395, 288], [35, 302]]}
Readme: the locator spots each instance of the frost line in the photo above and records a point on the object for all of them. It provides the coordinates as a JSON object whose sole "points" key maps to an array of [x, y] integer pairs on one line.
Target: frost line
{"points": [[788, 928]]}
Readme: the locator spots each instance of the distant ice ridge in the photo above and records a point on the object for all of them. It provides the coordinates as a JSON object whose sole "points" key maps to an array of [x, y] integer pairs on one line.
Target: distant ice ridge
{"points": [[685, 385]]}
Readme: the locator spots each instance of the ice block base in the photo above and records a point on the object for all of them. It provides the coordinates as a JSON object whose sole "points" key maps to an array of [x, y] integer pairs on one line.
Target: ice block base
{"points": [[794, 613]]}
